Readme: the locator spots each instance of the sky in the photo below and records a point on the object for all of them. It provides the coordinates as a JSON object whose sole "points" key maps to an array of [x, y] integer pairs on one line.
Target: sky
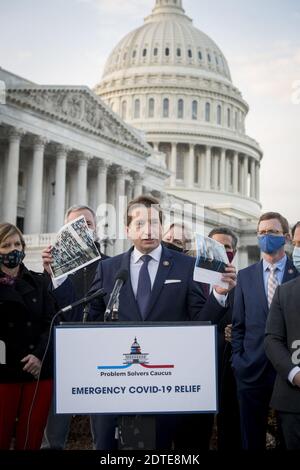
{"points": [[67, 42]]}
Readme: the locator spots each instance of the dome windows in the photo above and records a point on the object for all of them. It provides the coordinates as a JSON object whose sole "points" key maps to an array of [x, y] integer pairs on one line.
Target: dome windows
{"points": [[207, 112], [134, 54], [199, 55], [144, 52], [151, 108], [166, 106], [228, 118], [137, 109], [195, 110], [190, 54], [124, 110], [209, 57], [167, 51], [180, 109], [155, 52], [178, 52], [219, 115]]}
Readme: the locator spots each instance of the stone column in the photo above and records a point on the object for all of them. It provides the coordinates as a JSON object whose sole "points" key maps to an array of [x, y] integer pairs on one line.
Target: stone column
{"points": [[191, 166], [60, 185], [120, 193], [202, 170], [235, 172], [245, 175], [252, 178], [215, 171], [129, 190], [102, 182], [257, 181], [137, 185], [35, 195], [82, 179], [223, 183], [208, 167], [155, 146], [10, 196], [173, 166], [243, 257]]}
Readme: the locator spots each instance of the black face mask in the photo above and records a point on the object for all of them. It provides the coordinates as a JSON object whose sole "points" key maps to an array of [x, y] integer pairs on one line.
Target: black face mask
{"points": [[13, 259], [173, 247]]}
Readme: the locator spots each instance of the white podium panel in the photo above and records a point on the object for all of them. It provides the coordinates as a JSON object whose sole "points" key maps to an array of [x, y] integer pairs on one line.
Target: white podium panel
{"points": [[144, 368]]}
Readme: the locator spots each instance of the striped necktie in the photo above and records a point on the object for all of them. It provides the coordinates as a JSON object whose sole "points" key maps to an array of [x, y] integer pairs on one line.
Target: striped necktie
{"points": [[272, 283]]}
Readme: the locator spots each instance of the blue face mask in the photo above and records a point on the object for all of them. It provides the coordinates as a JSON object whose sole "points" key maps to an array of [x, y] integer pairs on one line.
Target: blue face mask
{"points": [[296, 258], [270, 243]]}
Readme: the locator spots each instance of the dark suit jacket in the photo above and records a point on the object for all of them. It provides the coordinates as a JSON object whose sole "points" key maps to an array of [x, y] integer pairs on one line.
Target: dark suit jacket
{"points": [[283, 328], [250, 312], [26, 310], [169, 302]]}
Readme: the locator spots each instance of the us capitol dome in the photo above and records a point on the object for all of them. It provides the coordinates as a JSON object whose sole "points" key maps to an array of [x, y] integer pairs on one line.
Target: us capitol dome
{"points": [[172, 82]]}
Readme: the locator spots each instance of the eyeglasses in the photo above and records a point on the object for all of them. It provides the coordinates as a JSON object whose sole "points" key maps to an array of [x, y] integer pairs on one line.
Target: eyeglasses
{"points": [[269, 232]]}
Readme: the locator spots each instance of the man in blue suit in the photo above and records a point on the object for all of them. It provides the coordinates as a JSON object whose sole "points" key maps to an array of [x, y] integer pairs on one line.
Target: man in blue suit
{"points": [[160, 284], [253, 295]]}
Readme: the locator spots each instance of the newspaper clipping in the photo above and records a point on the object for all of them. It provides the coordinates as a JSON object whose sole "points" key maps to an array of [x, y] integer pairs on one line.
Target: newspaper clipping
{"points": [[74, 248], [211, 261]]}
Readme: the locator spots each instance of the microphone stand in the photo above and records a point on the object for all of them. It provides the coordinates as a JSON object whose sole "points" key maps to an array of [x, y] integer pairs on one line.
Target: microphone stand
{"points": [[86, 311], [115, 310]]}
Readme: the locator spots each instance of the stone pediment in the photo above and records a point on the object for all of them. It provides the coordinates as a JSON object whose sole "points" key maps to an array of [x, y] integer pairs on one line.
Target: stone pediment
{"points": [[78, 107]]}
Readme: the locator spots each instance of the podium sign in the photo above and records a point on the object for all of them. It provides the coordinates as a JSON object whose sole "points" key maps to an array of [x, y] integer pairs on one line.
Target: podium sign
{"points": [[135, 368]]}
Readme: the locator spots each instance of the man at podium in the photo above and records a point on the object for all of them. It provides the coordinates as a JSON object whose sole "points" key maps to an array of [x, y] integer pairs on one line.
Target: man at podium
{"points": [[160, 287]]}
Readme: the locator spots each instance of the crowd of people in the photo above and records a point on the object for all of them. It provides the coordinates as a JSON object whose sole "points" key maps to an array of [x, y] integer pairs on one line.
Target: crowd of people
{"points": [[257, 319]]}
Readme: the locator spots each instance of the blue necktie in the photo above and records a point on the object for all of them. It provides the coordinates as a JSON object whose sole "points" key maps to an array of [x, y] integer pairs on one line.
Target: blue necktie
{"points": [[144, 286]]}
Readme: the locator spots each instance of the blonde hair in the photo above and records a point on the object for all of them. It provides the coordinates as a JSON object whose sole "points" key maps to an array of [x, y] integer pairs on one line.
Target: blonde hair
{"points": [[7, 230]]}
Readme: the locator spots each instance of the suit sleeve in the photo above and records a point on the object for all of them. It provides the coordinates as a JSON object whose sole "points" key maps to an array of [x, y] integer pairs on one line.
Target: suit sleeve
{"points": [[97, 307], [200, 308], [275, 340], [238, 322]]}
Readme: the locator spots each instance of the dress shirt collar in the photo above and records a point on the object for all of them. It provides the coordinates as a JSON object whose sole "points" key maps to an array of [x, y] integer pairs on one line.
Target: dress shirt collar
{"points": [[280, 265], [155, 254]]}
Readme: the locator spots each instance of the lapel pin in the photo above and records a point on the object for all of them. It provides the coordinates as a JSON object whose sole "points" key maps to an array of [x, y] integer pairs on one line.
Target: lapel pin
{"points": [[291, 271], [166, 263]]}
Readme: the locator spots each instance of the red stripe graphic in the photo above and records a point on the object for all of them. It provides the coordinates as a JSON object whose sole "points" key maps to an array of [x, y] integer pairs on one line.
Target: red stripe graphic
{"points": [[164, 366]]}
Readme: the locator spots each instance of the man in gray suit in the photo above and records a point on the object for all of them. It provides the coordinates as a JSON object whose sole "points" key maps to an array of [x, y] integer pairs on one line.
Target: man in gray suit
{"points": [[282, 346]]}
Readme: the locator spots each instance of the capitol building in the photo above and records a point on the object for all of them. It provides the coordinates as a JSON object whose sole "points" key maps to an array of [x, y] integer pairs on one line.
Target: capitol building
{"points": [[165, 118]]}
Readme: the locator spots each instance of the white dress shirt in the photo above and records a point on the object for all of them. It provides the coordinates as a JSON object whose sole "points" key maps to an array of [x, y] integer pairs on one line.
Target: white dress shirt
{"points": [[136, 263]]}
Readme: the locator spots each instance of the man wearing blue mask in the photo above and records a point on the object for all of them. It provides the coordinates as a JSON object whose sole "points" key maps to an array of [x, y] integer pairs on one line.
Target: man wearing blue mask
{"points": [[255, 289], [296, 244]]}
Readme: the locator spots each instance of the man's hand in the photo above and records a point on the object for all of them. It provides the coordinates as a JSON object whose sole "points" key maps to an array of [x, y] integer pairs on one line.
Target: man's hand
{"points": [[32, 365], [228, 332], [296, 380], [47, 259], [230, 278]]}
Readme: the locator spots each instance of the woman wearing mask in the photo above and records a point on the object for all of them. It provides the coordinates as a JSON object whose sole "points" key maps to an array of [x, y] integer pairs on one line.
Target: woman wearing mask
{"points": [[26, 309]]}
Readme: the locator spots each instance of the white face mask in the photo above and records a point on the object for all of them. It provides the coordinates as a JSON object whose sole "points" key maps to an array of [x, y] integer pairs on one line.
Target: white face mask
{"points": [[296, 258]]}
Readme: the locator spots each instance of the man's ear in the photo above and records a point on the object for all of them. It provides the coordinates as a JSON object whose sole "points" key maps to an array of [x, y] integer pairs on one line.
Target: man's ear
{"points": [[288, 237]]}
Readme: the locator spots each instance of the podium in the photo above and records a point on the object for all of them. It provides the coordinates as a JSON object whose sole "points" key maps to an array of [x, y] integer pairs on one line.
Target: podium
{"points": [[135, 371]]}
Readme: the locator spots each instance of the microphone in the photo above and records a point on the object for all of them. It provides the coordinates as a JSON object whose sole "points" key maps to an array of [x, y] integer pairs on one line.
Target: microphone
{"points": [[121, 278], [84, 300]]}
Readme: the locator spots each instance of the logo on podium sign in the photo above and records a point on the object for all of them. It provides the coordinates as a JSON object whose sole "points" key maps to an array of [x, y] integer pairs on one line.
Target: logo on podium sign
{"points": [[136, 357]]}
